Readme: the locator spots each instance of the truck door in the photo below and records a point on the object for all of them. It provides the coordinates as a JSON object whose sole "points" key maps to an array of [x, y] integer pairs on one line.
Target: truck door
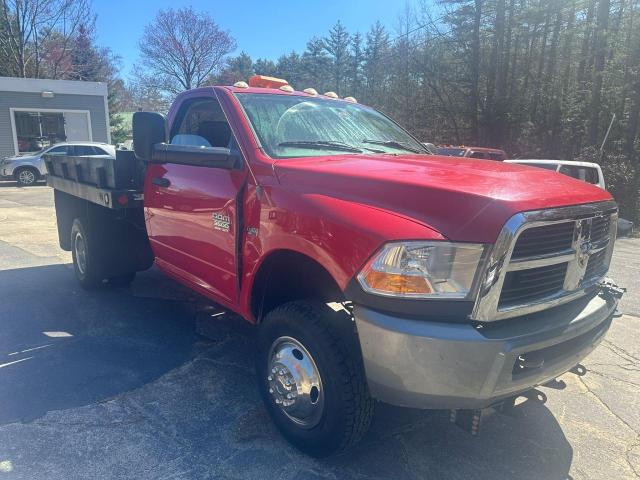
{"points": [[192, 211]]}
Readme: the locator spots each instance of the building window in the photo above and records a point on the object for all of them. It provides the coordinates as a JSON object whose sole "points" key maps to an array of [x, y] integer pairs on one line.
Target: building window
{"points": [[35, 130]]}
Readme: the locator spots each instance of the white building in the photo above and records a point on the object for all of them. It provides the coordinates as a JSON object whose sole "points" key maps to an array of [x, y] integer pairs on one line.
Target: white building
{"points": [[36, 113]]}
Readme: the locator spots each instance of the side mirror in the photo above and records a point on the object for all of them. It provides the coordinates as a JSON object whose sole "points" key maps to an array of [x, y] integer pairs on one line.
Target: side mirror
{"points": [[149, 128], [211, 157]]}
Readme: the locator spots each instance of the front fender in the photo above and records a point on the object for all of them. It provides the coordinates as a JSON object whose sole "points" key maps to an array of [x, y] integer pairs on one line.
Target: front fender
{"points": [[26, 163], [338, 234]]}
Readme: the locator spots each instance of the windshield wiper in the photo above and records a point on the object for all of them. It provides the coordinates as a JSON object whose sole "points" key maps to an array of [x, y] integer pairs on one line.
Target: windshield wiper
{"points": [[394, 144], [321, 144]]}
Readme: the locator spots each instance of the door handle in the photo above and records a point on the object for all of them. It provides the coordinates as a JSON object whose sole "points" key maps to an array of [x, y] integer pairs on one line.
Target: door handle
{"points": [[161, 182]]}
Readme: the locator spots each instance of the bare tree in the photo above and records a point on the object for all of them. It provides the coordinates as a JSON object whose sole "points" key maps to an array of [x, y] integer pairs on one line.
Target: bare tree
{"points": [[31, 27], [180, 49]]}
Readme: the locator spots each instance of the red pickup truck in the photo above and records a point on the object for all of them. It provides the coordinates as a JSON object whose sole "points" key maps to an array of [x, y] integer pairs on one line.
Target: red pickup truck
{"points": [[372, 270]]}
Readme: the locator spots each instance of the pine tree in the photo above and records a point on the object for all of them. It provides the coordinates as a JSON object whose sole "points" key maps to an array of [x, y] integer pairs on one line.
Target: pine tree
{"points": [[357, 59], [317, 66], [337, 45]]}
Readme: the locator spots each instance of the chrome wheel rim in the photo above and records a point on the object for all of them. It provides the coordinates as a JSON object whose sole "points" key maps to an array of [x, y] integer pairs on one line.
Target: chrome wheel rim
{"points": [[294, 382], [81, 253], [26, 177]]}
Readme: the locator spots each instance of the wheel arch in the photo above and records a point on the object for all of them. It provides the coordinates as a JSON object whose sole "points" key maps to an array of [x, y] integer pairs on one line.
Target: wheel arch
{"points": [[287, 275], [33, 168]]}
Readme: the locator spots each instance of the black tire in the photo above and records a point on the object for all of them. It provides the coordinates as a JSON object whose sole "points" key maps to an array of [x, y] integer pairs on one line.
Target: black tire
{"points": [[87, 262], [347, 406], [26, 176], [122, 280]]}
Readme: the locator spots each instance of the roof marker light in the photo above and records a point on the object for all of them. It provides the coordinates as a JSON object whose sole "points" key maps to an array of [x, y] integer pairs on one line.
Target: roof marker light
{"points": [[241, 85], [350, 99], [331, 94], [311, 91], [286, 88], [266, 82]]}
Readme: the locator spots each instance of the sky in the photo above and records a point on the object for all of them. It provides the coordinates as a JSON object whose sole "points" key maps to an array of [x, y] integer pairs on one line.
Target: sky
{"points": [[263, 29]]}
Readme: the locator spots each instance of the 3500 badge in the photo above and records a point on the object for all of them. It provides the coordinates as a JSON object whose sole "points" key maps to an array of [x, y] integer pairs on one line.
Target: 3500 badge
{"points": [[221, 222]]}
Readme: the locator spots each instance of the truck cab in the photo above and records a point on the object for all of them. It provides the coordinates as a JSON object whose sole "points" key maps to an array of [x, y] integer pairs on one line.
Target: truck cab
{"points": [[372, 270]]}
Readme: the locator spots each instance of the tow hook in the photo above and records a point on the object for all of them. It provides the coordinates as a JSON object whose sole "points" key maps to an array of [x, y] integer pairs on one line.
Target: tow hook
{"points": [[470, 420], [609, 286]]}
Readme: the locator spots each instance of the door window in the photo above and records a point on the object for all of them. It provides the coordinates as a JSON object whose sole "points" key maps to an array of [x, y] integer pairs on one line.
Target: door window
{"points": [[201, 123], [61, 150], [478, 155], [87, 151]]}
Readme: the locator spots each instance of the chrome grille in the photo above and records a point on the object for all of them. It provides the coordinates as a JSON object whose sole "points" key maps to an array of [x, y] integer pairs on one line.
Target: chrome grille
{"points": [[600, 228], [523, 286], [544, 240], [545, 258], [596, 265]]}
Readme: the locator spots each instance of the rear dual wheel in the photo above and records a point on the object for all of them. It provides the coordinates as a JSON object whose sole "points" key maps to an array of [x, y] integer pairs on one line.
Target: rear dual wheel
{"points": [[313, 384], [89, 260]]}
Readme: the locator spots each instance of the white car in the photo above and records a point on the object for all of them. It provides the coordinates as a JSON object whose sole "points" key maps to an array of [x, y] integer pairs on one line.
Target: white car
{"points": [[585, 171], [28, 169]]}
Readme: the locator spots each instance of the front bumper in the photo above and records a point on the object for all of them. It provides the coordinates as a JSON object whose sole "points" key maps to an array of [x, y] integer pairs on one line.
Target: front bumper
{"points": [[425, 364], [6, 171]]}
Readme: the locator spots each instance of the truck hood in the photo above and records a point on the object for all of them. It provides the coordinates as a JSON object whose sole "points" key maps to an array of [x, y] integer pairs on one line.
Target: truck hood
{"points": [[464, 199]]}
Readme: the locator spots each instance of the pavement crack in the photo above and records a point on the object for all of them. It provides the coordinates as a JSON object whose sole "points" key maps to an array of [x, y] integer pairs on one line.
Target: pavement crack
{"points": [[604, 404], [613, 377], [629, 367], [621, 352], [632, 444], [627, 455]]}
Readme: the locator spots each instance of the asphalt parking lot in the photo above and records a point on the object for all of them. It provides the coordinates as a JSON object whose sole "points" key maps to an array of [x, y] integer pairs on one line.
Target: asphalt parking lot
{"points": [[152, 382]]}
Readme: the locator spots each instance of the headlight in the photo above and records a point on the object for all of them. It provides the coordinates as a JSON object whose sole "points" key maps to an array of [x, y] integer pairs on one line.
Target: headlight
{"points": [[422, 270]]}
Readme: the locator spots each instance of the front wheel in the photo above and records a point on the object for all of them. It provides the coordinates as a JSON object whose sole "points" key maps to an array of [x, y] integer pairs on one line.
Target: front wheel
{"points": [[313, 384], [26, 176]]}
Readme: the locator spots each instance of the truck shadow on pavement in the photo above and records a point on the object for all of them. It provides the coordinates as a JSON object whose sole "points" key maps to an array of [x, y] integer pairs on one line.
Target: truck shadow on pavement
{"points": [[62, 347], [160, 382]]}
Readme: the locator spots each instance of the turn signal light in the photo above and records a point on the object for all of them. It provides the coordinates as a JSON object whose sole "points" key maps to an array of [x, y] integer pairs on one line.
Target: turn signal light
{"points": [[263, 81], [394, 283]]}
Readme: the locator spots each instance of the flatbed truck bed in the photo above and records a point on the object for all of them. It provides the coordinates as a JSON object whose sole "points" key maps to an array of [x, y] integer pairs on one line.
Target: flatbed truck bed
{"points": [[112, 183], [99, 202]]}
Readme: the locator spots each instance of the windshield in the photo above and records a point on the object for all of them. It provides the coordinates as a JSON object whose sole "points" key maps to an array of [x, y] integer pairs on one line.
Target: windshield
{"points": [[296, 126]]}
